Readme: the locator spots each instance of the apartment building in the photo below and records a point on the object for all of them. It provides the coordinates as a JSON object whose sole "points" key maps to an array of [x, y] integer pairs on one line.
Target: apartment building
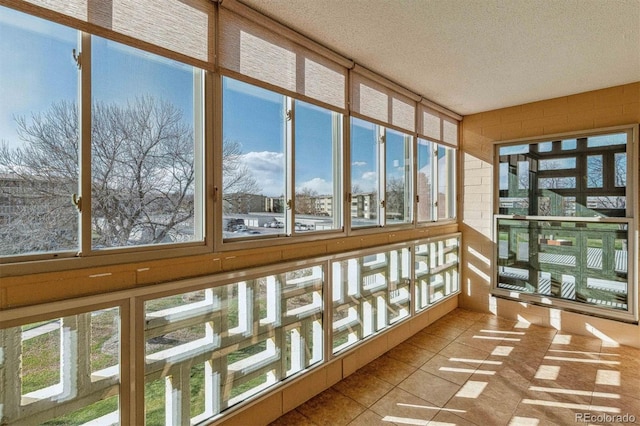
{"points": [[478, 170]]}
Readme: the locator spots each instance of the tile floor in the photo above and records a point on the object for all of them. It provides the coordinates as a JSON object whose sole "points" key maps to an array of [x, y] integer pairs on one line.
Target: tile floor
{"points": [[470, 368]]}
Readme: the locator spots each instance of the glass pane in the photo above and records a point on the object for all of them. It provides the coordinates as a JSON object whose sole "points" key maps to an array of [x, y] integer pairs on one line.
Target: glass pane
{"points": [[425, 181], [254, 160], [318, 141], [557, 183], [38, 136], [43, 364], [557, 164], [365, 173], [514, 149], [422, 274], [221, 345], [523, 175], [446, 183], [590, 182], [556, 205], [607, 140], [146, 148], [569, 144], [398, 177], [583, 262], [398, 299], [594, 171], [545, 146], [620, 173]]}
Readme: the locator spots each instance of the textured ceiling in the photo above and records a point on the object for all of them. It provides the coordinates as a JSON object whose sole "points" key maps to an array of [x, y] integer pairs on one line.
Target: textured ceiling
{"points": [[477, 55]]}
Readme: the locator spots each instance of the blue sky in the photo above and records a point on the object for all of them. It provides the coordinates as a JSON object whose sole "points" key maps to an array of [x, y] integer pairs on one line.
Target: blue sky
{"points": [[37, 70]]}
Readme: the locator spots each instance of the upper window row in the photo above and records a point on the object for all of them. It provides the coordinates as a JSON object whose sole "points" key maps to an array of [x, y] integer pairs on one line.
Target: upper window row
{"points": [[581, 177], [123, 163]]}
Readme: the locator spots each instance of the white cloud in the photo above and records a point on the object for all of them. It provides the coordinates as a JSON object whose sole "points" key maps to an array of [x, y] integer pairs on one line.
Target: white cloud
{"points": [[267, 169], [369, 176], [359, 163], [321, 186]]}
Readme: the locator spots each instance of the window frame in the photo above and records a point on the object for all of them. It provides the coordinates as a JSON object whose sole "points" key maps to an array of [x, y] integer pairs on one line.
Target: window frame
{"points": [[86, 255], [211, 147], [289, 234], [630, 219]]}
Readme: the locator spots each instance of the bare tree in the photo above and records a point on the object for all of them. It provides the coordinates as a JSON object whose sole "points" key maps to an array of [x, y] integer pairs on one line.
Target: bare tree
{"points": [[395, 198], [236, 176], [306, 201], [142, 177]]}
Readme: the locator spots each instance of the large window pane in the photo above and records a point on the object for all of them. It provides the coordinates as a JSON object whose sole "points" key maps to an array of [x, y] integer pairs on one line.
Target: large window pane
{"points": [[398, 177], [38, 136], [231, 342], [365, 173], [425, 181], [254, 161], [370, 293], [545, 179], [318, 139], [583, 262], [71, 363], [146, 148]]}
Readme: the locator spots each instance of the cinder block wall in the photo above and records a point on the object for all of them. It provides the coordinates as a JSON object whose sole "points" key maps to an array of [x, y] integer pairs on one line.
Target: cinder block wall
{"points": [[613, 106]]}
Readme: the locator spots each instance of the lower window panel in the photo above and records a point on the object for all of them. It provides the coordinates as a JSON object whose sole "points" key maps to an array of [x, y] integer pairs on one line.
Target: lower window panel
{"points": [[583, 262]]}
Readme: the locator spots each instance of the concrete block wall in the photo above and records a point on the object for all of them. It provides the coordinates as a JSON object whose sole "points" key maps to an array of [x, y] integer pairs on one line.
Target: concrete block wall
{"points": [[613, 106]]}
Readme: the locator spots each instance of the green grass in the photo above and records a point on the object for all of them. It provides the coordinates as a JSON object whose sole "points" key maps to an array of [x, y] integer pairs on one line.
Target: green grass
{"points": [[86, 414], [41, 364]]}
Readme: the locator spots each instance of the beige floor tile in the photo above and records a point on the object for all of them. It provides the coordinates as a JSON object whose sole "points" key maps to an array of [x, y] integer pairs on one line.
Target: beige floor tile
{"points": [[293, 418], [458, 350], [411, 354], [486, 409], [331, 408], [363, 388], [401, 404], [621, 405], [479, 340], [429, 342], [547, 414], [471, 368], [445, 330], [455, 320], [467, 314], [451, 370], [389, 369], [368, 418], [449, 418], [429, 387], [575, 343]]}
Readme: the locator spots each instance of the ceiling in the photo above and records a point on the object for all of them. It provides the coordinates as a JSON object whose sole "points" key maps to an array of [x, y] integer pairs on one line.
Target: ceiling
{"points": [[477, 55]]}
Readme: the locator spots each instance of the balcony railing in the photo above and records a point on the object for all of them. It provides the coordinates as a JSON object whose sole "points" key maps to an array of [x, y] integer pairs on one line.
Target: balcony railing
{"points": [[212, 343]]}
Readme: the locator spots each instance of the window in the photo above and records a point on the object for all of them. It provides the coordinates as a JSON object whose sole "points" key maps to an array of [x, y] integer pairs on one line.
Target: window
{"points": [[145, 146], [436, 175], [564, 217], [381, 175], [39, 164], [318, 168], [289, 141], [103, 149]]}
